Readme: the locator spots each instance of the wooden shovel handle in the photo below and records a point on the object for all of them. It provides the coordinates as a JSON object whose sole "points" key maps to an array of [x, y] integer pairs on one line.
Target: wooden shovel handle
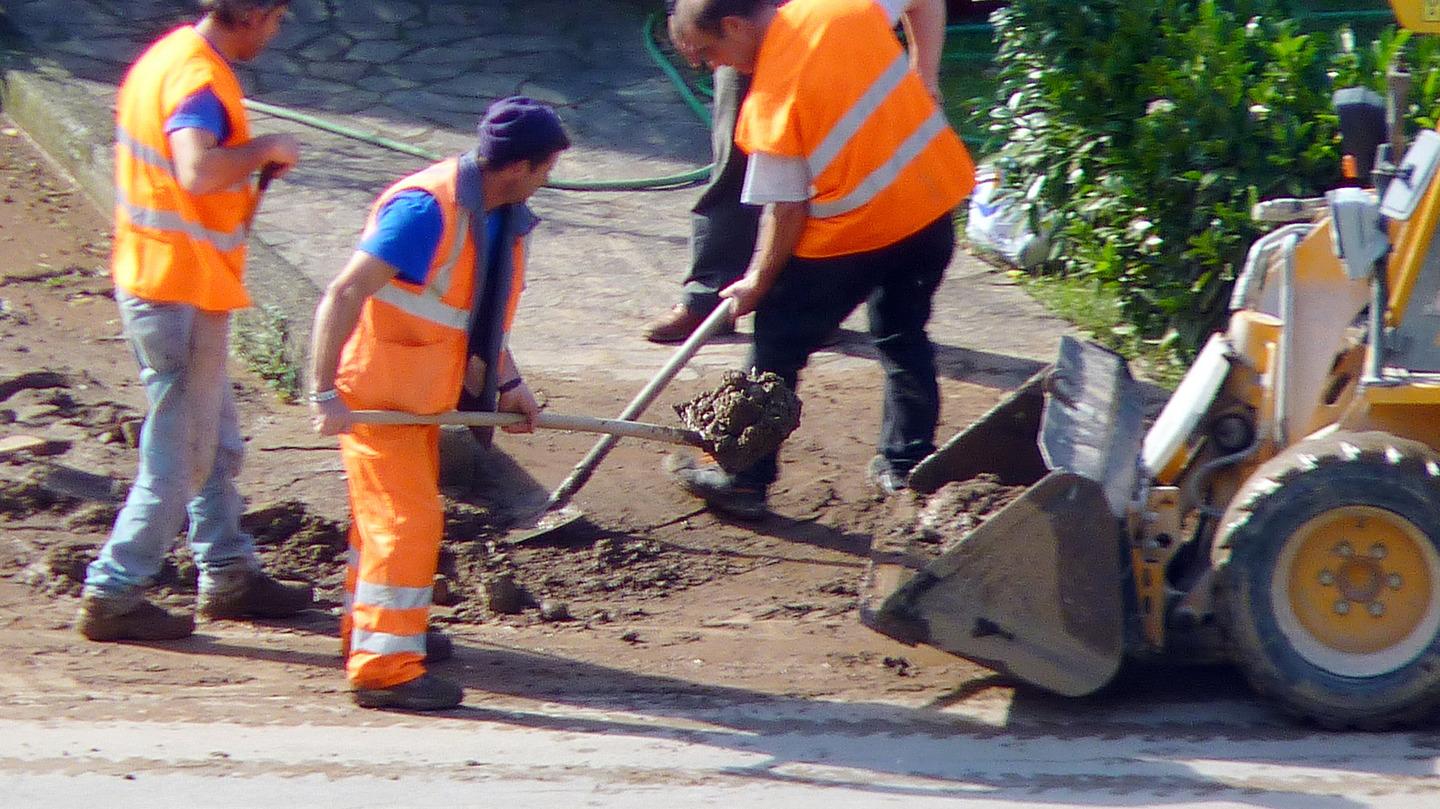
{"points": [[548, 421]]}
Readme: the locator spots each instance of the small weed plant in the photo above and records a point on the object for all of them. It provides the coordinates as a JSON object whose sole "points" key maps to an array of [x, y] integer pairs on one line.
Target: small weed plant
{"points": [[263, 340]]}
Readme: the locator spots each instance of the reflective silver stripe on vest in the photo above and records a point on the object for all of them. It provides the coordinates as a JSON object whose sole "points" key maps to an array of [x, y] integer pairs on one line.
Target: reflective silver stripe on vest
{"points": [[145, 154], [845, 128], [384, 643], [884, 174], [428, 303], [390, 597], [174, 223]]}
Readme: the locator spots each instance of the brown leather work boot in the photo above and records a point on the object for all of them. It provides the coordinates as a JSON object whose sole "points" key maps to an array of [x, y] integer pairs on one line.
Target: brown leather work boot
{"points": [[678, 324], [253, 594], [107, 619]]}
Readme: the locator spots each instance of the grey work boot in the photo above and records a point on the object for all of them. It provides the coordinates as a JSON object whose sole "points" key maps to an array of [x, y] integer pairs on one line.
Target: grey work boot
{"points": [[252, 594], [716, 487], [105, 619], [425, 693], [885, 478]]}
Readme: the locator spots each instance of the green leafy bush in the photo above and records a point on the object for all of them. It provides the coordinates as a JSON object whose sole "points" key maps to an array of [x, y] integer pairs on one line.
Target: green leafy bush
{"points": [[1142, 132]]}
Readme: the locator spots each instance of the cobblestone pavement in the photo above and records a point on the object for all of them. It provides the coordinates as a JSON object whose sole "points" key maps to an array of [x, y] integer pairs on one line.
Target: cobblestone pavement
{"points": [[419, 72]]}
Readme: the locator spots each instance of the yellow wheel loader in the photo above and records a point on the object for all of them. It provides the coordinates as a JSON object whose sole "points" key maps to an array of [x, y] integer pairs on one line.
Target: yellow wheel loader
{"points": [[1283, 510]]}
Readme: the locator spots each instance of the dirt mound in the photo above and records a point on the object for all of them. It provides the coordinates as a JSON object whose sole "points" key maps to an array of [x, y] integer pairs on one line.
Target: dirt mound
{"points": [[477, 580], [744, 419], [921, 528], [961, 506]]}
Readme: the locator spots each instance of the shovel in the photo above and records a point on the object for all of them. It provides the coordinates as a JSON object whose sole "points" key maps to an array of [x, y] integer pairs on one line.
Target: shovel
{"points": [[557, 511], [546, 421], [547, 520]]}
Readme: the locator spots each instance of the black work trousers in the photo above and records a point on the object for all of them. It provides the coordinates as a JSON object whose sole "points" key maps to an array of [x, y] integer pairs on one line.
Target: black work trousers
{"points": [[812, 297]]}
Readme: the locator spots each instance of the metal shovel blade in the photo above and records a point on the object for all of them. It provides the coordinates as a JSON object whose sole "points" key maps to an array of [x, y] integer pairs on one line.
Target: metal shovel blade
{"points": [[545, 522]]}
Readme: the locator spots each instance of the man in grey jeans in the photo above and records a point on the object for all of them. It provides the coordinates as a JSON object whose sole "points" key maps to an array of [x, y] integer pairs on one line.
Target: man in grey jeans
{"points": [[184, 157]]}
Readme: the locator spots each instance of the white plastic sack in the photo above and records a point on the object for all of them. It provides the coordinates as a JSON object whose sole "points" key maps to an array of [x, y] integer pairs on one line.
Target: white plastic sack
{"points": [[997, 225]]}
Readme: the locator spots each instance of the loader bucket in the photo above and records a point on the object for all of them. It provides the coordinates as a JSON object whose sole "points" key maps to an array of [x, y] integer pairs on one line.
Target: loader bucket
{"points": [[1037, 591]]}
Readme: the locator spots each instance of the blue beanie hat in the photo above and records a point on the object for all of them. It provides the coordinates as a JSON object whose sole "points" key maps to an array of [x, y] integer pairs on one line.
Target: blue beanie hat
{"points": [[519, 128]]}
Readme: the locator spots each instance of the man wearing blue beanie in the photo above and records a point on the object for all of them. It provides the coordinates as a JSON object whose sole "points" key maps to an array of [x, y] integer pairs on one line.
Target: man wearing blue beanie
{"points": [[415, 322]]}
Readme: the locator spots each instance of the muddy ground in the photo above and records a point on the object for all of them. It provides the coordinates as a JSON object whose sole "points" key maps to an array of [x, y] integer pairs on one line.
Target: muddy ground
{"points": [[647, 585]]}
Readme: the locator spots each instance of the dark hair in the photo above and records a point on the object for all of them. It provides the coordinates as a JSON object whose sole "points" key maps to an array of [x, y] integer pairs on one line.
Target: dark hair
{"points": [[707, 14], [229, 13]]}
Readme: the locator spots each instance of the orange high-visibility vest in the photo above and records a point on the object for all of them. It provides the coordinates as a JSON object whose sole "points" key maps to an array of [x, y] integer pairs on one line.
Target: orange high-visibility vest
{"points": [[833, 86], [171, 245], [409, 349]]}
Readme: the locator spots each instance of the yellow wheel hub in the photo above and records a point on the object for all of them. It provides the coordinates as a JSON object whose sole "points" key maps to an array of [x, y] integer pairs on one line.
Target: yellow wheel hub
{"points": [[1357, 590]]}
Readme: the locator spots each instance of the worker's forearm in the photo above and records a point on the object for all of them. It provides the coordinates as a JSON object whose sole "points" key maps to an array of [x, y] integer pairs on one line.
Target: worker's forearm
{"points": [[924, 22], [335, 319], [780, 227], [506, 369], [221, 167]]}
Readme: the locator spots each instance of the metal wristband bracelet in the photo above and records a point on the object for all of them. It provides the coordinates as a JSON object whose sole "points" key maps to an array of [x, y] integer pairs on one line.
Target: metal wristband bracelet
{"points": [[319, 396]]}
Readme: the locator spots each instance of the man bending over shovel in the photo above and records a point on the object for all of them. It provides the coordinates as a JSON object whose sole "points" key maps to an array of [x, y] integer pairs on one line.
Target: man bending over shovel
{"points": [[421, 311], [858, 172]]}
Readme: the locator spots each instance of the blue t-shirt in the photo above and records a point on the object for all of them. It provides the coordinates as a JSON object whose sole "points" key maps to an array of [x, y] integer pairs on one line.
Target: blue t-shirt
{"points": [[202, 110], [407, 234]]}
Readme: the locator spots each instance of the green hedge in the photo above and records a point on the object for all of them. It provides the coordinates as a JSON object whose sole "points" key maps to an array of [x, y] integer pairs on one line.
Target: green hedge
{"points": [[1144, 130]]}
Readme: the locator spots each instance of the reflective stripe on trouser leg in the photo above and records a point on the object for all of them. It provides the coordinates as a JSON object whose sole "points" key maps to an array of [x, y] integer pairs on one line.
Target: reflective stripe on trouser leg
{"points": [[395, 505], [352, 572]]}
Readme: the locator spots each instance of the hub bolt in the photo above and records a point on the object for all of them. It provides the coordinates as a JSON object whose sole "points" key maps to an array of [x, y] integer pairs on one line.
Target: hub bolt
{"points": [[1327, 578], [1342, 607], [1345, 550], [1377, 551], [1376, 609], [1393, 580]]}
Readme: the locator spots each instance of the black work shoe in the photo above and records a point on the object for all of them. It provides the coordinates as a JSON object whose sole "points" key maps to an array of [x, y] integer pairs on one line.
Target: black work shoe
{"points": [[715, 486], [438, 647], [108, 619], [886, 480], [253, 594], [425, 693]]}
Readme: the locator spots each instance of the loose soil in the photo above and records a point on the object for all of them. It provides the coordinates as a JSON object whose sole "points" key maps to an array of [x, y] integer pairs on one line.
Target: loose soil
{"points": [[649, 591], [744, 419]]}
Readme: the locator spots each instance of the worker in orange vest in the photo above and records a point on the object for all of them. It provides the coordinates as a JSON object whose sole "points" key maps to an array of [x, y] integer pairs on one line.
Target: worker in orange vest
{"points": [[418, 318], [859, 173], [184, 156]]}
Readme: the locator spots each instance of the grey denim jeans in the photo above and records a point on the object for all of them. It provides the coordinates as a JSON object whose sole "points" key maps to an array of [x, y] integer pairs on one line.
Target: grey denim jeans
{"points": [[190, 453]]}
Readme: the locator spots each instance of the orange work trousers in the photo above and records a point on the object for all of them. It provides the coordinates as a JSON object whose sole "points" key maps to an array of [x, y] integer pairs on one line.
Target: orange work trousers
{"points": [[396, 523]]}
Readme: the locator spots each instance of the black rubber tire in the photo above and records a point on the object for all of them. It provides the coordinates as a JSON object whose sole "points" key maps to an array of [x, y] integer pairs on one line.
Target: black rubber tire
{"points": [[1371, 469]]}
